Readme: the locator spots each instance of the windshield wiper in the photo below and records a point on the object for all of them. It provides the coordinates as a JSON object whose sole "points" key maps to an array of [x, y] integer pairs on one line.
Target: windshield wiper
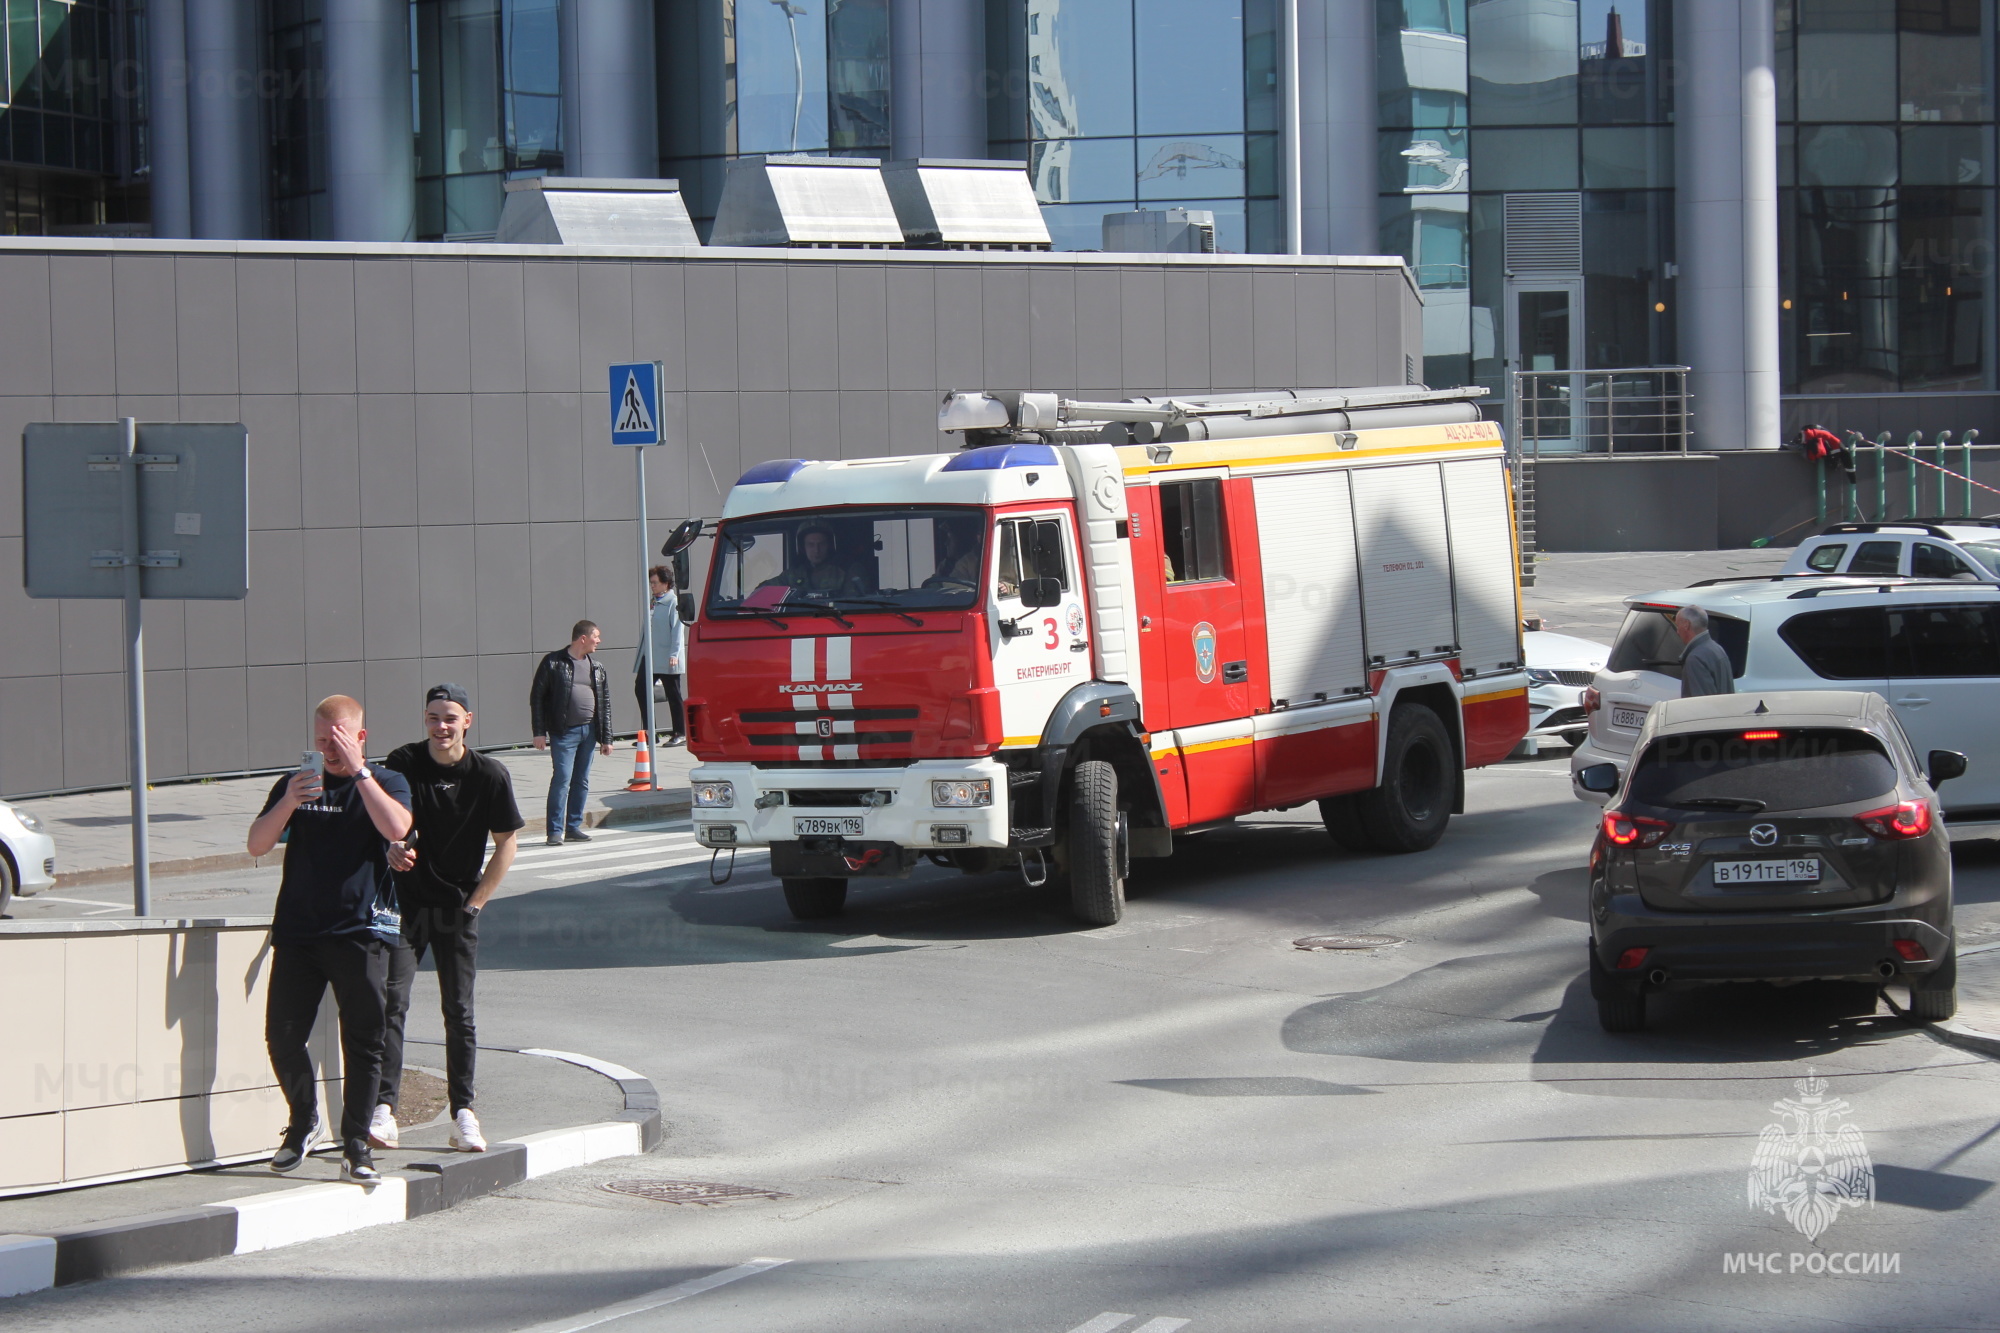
{"points": [[885, 604], [738, 613], [1749, 805], [818, 609]]}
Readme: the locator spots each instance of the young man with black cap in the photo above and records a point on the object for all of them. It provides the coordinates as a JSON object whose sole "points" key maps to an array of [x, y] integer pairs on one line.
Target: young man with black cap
{"points": [[336, 904], [444, 878]]}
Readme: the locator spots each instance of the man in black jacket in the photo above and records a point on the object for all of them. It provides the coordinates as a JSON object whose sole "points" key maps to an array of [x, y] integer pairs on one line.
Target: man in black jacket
{"points": [[569, 707]]}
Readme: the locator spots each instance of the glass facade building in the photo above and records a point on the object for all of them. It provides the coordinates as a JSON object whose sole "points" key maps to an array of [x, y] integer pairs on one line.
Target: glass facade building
{"points": [[63, 159], [1529, 157], [1128, 104]]}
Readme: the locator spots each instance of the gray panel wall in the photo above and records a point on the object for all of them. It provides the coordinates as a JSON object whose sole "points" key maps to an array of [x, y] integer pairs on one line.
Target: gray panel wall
{"points": [[431, 494]]}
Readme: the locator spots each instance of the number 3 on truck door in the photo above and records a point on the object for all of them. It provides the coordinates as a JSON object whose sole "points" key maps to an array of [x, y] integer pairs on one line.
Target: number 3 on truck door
{"points": [[1054, 641]]}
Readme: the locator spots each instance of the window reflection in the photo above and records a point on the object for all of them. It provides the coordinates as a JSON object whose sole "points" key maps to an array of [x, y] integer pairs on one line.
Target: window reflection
{"points": [[1189, 56], [1523, 61], [1205, 167], [488, 101]]}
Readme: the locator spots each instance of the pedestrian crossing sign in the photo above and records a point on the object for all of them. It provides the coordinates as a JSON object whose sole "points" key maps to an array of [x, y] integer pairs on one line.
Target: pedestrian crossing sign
{"points": [[635, 403]]}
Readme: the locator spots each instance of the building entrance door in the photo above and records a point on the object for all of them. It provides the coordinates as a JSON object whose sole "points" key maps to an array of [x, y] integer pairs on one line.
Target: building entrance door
{"points": [[1545, 354]]}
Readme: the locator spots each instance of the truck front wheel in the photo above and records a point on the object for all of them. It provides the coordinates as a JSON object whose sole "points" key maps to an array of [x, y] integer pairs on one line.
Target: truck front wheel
{"points": [[1096, 856], [1408, 812], [815, 899]]}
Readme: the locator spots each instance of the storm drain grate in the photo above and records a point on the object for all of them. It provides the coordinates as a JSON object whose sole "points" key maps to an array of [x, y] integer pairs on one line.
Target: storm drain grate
{"points": [[689, 1191], [1317, 943]]}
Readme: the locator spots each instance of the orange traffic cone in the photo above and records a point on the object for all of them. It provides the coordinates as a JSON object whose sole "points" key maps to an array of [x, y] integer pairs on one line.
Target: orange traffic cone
{"points": [[642, 768]]}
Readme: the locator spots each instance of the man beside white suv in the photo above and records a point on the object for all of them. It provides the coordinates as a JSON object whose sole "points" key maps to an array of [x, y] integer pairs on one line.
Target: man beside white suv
{"points": [[1932, 650]]}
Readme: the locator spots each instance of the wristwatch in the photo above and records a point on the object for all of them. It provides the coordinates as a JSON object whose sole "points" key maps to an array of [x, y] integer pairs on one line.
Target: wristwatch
{"points": [[473, 911]]}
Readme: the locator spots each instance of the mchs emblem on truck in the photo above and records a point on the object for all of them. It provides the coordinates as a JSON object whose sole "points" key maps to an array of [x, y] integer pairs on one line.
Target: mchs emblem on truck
{"points": [[1100, 626]]}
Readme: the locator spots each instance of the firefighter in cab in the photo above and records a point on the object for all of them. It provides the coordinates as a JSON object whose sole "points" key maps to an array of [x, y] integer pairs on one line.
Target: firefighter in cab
{"points": [[816, 570]]}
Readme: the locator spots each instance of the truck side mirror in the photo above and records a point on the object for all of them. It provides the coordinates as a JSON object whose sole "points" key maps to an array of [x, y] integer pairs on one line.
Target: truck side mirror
{"points": [[1600, 778], [684, 602], [1038, 593], [683, 537], [1946, 765]]}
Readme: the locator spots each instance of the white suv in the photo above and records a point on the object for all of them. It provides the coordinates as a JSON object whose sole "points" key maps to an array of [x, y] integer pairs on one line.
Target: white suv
{"points": [[1964, 550], [1932, 649]]}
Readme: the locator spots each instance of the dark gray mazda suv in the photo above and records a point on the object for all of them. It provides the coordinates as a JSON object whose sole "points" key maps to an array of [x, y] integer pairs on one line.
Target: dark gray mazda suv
{"points": [[1787, 836]]}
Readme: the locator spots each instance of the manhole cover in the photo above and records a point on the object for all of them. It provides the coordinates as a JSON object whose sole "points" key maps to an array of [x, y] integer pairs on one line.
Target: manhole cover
{"points": [[1315, 943], [689, 1191]]}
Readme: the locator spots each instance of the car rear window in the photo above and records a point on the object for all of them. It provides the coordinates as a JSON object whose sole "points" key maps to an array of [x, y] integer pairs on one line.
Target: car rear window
{"points": [[1647, 641], [1800, 769]]}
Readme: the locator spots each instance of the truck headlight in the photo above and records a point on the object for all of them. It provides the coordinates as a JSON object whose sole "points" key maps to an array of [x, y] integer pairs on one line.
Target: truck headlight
{"points": [[710, 795], [962, 795]]}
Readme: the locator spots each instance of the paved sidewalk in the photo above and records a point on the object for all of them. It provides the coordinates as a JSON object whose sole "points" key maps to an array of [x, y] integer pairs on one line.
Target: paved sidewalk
{"points": [[201, 825], [518, 1094], [1979, 993]]}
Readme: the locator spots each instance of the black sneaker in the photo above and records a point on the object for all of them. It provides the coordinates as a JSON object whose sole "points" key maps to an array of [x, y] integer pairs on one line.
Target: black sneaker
{"points": [[359, 1168], [576, 837], [293, 1148], [555, 841]]}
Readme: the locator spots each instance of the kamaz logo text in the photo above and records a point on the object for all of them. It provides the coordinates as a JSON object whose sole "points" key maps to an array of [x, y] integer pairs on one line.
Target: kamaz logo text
{"points": [[826, 687]]}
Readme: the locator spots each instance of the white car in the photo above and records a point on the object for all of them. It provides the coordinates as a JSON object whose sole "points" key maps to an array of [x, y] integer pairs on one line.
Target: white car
{"points": [[1931, 649], [1964, 551], [27, 855], [1559, 669]]}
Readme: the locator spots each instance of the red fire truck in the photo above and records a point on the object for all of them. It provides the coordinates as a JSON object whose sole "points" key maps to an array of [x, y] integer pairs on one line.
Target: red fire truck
{"points": [[1099, 626]]}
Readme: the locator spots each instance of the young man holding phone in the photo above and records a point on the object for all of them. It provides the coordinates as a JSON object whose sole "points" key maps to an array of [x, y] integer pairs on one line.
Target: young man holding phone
{"points": [[335, 914], [443, 879]]}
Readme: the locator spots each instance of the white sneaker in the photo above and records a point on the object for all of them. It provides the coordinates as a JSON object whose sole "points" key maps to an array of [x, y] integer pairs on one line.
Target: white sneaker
{"points": [[382, 1130], [465, 1135]]}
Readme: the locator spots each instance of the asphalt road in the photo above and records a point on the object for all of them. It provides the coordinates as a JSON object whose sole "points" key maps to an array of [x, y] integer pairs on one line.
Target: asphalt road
{"points": [[970, 1114]]}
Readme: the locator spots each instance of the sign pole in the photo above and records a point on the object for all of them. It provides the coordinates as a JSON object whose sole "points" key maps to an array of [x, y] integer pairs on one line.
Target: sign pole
{"points": [[646, 620], [135, 669]]}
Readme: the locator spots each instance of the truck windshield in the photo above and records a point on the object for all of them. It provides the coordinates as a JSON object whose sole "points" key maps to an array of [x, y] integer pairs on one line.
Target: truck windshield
{"points": [[899, 559]]}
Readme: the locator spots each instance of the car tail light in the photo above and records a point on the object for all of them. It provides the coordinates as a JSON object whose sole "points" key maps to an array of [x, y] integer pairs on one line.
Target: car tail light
{"points": [[1634, 830], [1632, 958], [1592, 700], [1910, 951], [1905, 819], [1760, 735]]}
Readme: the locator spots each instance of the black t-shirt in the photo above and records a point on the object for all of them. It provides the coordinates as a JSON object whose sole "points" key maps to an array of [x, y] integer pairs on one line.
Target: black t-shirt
{"points": [[456, 806], [336, 862]]}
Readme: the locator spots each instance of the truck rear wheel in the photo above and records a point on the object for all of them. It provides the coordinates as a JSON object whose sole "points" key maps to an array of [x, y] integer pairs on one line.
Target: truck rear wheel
{"points": [[1096, 856], [1409, 811], [815, 899]]}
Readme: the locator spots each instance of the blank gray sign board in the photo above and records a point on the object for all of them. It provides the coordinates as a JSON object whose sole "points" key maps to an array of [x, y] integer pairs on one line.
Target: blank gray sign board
{"points": [[194, 509]]}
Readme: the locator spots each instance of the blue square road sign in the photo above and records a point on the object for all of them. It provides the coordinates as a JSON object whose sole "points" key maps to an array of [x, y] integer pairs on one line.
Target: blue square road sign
{"points": [[635, 403]]}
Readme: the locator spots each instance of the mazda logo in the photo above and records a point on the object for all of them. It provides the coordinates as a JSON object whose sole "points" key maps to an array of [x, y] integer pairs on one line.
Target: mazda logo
{"points": [[1764, 835]]}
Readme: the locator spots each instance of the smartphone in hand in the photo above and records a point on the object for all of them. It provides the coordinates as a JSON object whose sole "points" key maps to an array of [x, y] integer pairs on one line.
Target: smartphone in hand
{"points": [[313, 762]]}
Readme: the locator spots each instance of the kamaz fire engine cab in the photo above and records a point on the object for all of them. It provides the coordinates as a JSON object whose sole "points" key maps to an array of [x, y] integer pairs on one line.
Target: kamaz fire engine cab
{"points": [[1102, 625]]}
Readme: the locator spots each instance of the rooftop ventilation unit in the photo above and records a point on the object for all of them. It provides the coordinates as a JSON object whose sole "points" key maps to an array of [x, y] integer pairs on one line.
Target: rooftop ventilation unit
{"points": [[1161, 231], [566, 210], [794, 200], [956, 204]]}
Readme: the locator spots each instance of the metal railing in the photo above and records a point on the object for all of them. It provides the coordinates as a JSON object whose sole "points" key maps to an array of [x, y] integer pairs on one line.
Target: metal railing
{"points": [[1946, 474], [1642, 409]]}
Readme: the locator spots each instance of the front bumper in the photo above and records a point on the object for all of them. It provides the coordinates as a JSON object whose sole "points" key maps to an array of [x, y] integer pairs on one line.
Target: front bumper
{"points": [[34, 857], [1556, 711], [906, 820]]}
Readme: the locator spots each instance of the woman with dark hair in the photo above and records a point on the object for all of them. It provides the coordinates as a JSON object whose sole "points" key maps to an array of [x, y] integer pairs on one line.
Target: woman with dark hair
{"points": [[669, 654]]}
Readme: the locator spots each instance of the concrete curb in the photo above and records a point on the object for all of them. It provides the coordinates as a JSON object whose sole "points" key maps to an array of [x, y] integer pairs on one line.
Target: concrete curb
{"points": [[1971, 1039], [66, 1255]]}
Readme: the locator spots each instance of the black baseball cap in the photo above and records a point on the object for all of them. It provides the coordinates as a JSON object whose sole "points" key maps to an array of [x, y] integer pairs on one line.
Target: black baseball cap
{"points": [[454, 693]]}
